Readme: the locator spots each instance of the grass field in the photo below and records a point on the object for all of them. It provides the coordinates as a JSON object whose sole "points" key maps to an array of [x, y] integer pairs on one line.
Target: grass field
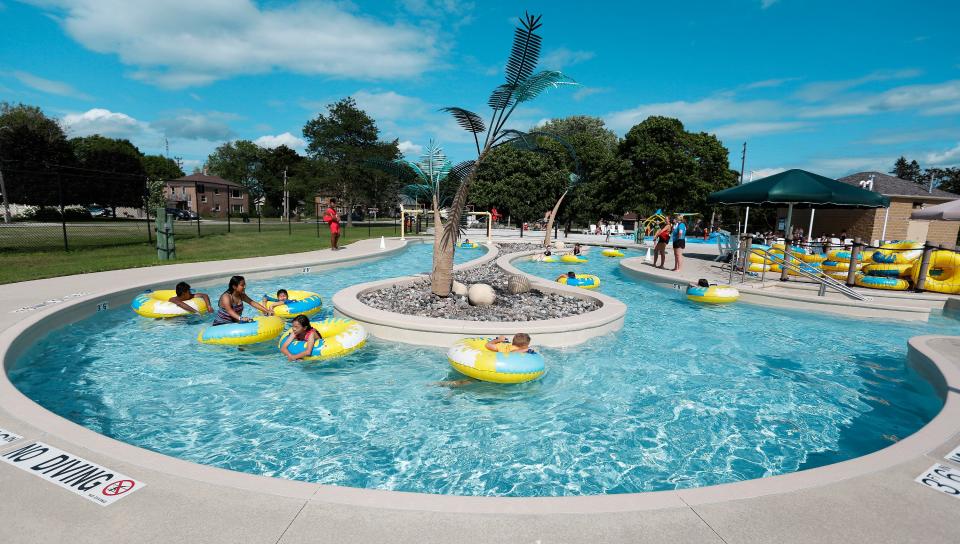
{"points": [[241, 242]]}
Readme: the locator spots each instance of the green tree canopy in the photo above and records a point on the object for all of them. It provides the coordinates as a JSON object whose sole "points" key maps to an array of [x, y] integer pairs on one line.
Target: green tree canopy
{"points": [[32, 148], [907, 170], [238, 161], [158, 170], [521, 184], [111, 172], [661, 165]]}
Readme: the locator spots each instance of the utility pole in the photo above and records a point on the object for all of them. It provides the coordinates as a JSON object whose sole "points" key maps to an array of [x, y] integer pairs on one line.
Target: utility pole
{"points": [[286, 198], [166, 146], [3, 187], [743, 161]]}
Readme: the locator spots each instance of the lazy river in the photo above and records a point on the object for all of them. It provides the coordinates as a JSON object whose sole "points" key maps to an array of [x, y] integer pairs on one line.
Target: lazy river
{"points": [[685, 395]]}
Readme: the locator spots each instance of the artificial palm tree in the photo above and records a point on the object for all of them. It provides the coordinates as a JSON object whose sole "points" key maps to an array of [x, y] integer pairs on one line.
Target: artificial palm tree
{"points": [[522, 85]]}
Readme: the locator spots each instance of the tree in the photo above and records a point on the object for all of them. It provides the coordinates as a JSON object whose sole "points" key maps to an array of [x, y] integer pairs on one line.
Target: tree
{"points": [[269, 174], [32, 148], [520, 183], [238, 161], [945, 179], [110, 172], [347, 139], [522, 85], [158, 170], [907, 170], [663, 166]]}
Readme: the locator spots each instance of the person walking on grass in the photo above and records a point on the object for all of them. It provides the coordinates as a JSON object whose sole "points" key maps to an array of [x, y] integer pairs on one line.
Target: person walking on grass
{"points": [[332, 219], [679, 242]]}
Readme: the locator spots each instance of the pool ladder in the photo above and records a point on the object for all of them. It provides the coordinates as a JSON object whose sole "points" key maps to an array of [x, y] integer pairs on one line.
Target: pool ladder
{"points": [[825, 281]]}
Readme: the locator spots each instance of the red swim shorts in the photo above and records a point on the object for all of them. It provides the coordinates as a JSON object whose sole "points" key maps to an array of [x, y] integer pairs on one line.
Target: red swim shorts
{"points": [[335, 228]]}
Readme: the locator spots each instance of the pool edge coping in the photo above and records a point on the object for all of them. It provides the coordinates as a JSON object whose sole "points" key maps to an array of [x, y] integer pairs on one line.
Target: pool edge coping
{"points": [[934, 365]]}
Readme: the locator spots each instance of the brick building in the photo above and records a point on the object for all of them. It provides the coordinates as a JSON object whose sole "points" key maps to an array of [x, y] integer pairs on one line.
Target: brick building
{"points": [[905, 198], [209, 196]]}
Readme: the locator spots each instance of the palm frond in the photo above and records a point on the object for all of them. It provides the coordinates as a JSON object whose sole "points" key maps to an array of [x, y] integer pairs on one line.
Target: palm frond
{"points": [[460, 172], [525, 141], [471, 122], [531, 87], [501, 97], [525, 51]]}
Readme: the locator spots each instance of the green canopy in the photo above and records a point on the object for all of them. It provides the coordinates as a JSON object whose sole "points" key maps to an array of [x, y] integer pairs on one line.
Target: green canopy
{"points": [[800, 189]]}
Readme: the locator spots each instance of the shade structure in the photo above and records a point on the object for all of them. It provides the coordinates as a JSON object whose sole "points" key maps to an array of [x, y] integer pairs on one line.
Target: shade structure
{"points": [[802, 189], [948, 211]]}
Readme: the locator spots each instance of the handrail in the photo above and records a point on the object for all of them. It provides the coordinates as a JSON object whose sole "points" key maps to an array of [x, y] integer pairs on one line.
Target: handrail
{"points": [[824, 280]]}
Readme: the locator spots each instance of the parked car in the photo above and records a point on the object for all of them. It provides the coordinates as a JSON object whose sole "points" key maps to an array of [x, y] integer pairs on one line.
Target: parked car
{"points": [[182, 215], [97, 211]]}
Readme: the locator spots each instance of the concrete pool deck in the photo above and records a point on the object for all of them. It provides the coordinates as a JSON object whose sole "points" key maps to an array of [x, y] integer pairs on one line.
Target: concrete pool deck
{"points": [[869, 499]]}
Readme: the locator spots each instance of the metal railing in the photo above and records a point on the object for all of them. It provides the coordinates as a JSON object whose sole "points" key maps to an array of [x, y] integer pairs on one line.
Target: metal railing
{"points": [[742, 258]]}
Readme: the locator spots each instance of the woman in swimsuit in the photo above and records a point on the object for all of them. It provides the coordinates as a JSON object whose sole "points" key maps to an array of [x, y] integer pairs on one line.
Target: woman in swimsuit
{"points": [[231, 303]]}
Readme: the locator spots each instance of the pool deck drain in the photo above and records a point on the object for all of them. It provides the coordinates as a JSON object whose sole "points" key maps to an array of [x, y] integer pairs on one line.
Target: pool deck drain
{"points": [[869, 499]]}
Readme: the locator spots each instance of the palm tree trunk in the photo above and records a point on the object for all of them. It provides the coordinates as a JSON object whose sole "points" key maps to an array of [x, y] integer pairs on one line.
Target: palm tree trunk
{"points": [[444, 241], [553, 216]]}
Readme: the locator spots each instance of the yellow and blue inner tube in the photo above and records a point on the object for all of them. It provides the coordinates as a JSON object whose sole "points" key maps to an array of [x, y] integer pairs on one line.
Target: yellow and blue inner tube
{"points": [[338, 337], [468, 245], [300, 302], [715, 294], [571, 258], [943, 275], [585, 281], [611, 253], [889, 270], [157, 305], [836, 266], [259, 330], [471, 358], [898, 253], [811, 268], [880, 282]]}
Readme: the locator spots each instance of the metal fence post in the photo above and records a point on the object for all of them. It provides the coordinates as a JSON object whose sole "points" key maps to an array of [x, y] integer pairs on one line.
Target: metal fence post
{"points": [[924, 267], [198, 208], [63, 217], [258, 219], [854, 257], [149, 235], [229, 193]]}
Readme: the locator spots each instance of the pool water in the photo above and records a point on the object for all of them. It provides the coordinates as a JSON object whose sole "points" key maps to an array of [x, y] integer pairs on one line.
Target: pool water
{"points": [[684, 396]]}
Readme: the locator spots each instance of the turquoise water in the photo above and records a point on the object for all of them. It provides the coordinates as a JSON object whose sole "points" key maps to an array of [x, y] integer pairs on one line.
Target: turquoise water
{"points": [[684, 396]]}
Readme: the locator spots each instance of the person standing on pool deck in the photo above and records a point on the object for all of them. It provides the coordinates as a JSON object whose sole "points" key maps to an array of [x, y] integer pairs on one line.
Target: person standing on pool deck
{"points": [[231, 303], [332, 219], [660, 250], [679, 242]]}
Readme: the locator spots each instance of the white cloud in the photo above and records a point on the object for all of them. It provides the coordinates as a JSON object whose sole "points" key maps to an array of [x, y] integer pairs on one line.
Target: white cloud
{"points": [[709, 109], [767, 83], [104, 122], [49, 86], [823, 90], [410, 149], [944, 158], [389, 105], [190, 125], [840, 166], [764, 4], [933, 99], [287, 139], [558, 59], [584, 92], [763, 173], [746, 130], [184, 43]]}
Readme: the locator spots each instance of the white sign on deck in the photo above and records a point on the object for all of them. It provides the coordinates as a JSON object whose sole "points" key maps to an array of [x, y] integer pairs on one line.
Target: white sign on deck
{"points": [[943, 478], [954, 455], [75, 474], [8, 437]]}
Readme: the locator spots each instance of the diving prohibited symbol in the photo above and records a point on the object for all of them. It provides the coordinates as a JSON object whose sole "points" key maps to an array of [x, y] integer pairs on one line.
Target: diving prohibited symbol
{"points": [[118, 488]]}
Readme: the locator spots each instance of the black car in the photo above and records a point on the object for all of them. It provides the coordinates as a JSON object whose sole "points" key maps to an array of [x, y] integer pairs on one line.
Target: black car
{"points": [[183, 215]]}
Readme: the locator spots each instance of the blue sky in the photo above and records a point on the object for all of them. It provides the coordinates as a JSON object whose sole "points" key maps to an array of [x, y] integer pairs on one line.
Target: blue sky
{"points": [[834, 87]]}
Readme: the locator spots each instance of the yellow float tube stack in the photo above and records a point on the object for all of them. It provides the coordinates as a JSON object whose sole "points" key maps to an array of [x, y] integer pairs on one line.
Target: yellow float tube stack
{"points": [[943, 275], [471, 358]]}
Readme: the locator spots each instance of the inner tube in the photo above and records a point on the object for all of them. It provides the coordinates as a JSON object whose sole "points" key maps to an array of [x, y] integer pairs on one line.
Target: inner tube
{"points": [[898, 253], [571, 258], [877, 282], [157, 305], [468, 245], [836, 266], [611, 253], [338, 337], [943, 275], [585, 281], [259, 330], [715, 294], [471, 358], [889, 270], [300, 302]]}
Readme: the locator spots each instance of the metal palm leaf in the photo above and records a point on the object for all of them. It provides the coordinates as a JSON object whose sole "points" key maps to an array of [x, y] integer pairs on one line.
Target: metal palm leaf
{"points": [[471, 122], [531, 87], [526, 49]]}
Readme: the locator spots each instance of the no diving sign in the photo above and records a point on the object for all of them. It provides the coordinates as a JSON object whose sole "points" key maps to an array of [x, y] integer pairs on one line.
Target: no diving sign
{"points": [[89, 480]]}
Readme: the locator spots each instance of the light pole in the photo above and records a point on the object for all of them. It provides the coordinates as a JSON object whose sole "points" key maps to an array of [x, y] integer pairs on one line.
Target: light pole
{"points": [[3, 186]]}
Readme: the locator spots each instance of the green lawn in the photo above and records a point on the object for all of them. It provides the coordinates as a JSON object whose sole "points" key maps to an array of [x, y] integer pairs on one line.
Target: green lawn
{"points": [[242, 242]]}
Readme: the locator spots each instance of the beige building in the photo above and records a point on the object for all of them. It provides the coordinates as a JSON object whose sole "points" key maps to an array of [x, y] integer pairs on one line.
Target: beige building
{"points": [[209, 196], [891, 223]]}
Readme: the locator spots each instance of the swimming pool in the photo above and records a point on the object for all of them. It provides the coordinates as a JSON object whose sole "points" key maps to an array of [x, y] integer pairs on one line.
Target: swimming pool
{"points": [[684, 396]]}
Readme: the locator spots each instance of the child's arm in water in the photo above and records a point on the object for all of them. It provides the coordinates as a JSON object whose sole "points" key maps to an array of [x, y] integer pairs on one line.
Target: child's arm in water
{"points": [[307, 349], [176, 300]]}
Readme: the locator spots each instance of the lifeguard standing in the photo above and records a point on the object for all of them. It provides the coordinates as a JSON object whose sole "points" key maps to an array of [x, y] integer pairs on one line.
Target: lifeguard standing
{"points": [[494, 216], [332, 219]]}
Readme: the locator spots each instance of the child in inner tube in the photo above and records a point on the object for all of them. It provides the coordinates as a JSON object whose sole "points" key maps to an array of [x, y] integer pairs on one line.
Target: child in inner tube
{"points": [[301, 331], [521, 342], [282, 298], [184, 294], [571, 275]]}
